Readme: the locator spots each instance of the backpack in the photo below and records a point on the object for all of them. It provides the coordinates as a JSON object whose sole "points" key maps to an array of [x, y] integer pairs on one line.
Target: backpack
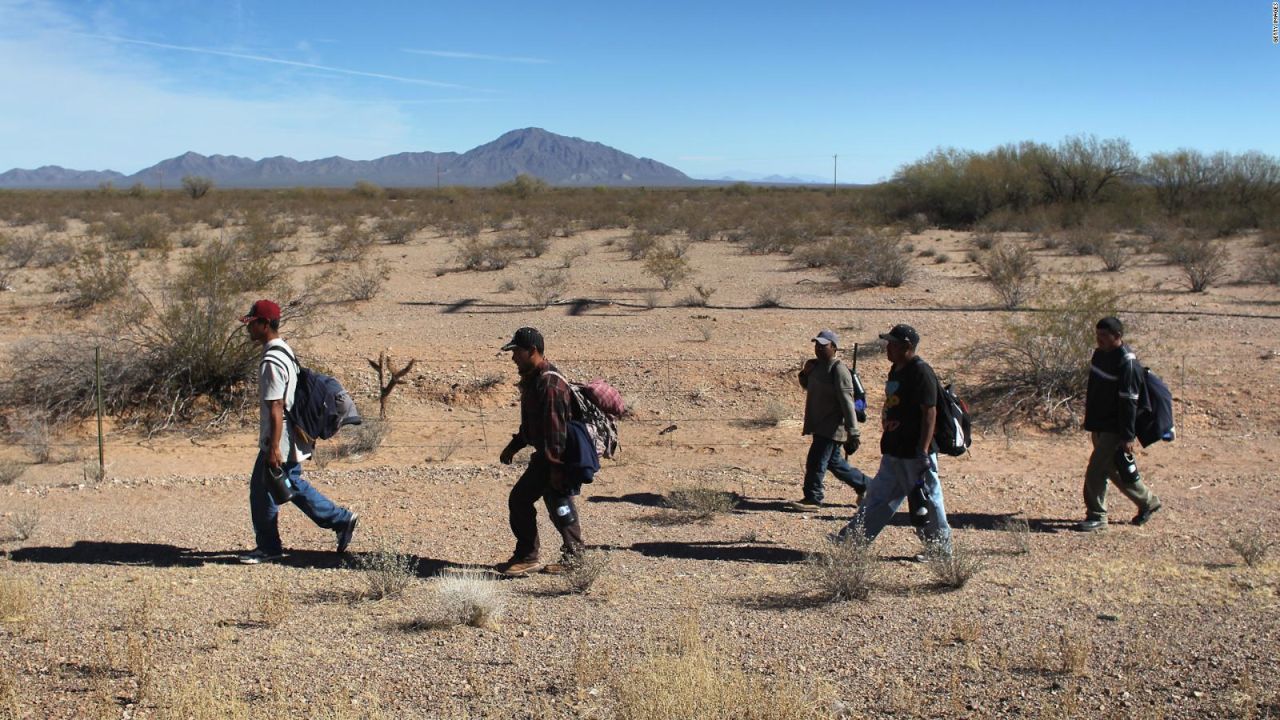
{"points": [[598, 422], [321, 407], [952, 431], [1155, 410]]}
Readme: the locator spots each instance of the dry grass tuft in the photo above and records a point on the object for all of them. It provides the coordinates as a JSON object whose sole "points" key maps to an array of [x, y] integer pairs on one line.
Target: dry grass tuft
{"points": [[695, 680], [362, 439], [954, 569], [15, 599], [844, 570], [387, 570], [273, 605], [584, 569], [1252, 546], [699, 502], [10, 471], [24, 523], [1019, 534], [1074, 649], [470, 597]]}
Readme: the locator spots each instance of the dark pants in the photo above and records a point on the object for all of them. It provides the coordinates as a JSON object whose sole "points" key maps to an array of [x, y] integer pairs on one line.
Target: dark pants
{"points": [[827, 454], [535, 483], [265, 512]]}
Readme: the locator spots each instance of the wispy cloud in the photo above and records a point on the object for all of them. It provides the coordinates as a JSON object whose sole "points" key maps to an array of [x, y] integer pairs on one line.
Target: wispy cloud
{"points": [[477, 56], [274, 61]]}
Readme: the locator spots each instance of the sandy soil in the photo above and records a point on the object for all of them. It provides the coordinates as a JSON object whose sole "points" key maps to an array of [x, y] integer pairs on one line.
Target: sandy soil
{"points": [[138, 572]]}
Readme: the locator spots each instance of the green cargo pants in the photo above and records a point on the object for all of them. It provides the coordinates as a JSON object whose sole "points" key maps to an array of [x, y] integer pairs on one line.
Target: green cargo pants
{"points": [[1101, 469]]}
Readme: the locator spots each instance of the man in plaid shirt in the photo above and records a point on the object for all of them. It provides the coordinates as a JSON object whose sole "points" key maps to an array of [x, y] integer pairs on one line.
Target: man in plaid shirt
{"points": [[545, 411]]}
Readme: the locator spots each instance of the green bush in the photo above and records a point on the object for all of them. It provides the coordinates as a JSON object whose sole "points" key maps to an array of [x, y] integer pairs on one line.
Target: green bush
{"points": [[1012, 271], [94, 277], [148, 231], [1039, 369], [668, 265], [196, 187], [1204, 263], [869, 259]]}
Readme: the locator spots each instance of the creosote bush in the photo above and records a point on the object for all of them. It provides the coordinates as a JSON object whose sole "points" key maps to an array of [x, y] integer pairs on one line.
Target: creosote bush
{"points": [[475, 253], [700, 502], [843, 570], [1204, 263], [547, 286], [1012, 271], [348, 242], [94, 277], [364, 281], [583, 570], [668, 265], [1252, 546], [387, 569], [196, 187]]}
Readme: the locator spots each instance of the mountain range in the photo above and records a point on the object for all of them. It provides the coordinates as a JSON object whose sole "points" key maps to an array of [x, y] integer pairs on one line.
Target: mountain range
{"points": [[555, 159]]}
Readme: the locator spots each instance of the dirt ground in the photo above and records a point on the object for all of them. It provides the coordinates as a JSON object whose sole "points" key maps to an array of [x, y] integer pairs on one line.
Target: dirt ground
{"points": [[135, 600]]}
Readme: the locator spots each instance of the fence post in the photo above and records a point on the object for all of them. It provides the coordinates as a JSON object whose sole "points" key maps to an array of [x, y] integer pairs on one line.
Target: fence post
{"points": [[97, 371]]}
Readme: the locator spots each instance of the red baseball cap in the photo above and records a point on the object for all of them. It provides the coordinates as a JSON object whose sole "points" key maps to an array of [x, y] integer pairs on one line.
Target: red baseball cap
{"points": [[262, 310]]}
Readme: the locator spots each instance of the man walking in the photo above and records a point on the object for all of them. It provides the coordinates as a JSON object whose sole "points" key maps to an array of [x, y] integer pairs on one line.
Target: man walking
{"points": [[909, 460], [830, 418], [1110, 409], [545, 411], [279, 452]]}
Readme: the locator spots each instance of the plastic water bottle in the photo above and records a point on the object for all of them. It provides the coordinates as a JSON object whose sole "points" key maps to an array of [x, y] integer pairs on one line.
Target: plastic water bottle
{"points": [[1127, 467]]}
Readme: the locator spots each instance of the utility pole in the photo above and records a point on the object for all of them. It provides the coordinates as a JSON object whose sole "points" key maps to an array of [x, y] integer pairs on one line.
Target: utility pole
{"points": [[835, 164]]}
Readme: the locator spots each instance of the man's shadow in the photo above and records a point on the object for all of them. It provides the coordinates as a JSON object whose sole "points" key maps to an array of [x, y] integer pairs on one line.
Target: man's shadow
{"points": [[93, 552]]}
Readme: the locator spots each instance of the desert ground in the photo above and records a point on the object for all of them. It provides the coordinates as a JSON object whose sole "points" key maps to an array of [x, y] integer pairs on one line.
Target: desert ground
{"points": [[125, 598]]}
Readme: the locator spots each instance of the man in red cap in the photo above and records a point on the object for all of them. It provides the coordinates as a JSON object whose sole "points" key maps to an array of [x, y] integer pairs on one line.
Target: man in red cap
{"points": [[279, 451]]}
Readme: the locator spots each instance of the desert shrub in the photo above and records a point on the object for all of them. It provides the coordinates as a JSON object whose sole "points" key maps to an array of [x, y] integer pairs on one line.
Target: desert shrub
{"points": [[196, 187], [387, 570], [869, 259], [1082, 241], [984, 241], [547, 286], [148, 231], [773, 413], [477, 254], [24, 523], [524, 186], [667, 265], [367, 190], [569, 256], [507, 285], [639, 244], [700, 502], [1204, 263], [10, 471], [1012, 271], [954, 568], [94, 277], [768, 298], [1252, 546], [470, 597], [584, 569], [348, 242], [54, 252], [1019, 532], [917, 223], [20, 249], [1113, 254], [364, 281], [35, 435], [844, 570], [1039, 369], [238, 265], [362, 439], [397, 230], [1267, 267], [694, 680]]}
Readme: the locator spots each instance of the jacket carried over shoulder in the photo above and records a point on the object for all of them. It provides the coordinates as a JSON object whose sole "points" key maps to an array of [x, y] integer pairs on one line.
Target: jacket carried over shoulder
{"points": [[1115, 383]]}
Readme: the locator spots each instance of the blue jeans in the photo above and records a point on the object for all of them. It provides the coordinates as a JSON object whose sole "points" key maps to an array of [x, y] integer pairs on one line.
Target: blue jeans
{"points": [[827, 454], [265, 512], [895, 479]]}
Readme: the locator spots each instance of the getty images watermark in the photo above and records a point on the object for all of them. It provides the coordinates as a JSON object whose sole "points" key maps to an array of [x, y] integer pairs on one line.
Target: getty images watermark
{"points": [[1275, 23]]}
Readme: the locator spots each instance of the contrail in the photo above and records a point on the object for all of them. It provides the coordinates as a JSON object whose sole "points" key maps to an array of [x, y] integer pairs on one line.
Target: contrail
{"points": [[477, 56], [276, 61]]}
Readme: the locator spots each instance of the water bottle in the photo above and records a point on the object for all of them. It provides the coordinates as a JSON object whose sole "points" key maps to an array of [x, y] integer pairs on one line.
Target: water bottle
{"points": [[918, 504], [278, 485], [1127, 467], [859, 399]]}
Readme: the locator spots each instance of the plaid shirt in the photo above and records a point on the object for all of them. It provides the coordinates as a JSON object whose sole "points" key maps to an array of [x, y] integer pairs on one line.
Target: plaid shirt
{"points": [[545, 411]]}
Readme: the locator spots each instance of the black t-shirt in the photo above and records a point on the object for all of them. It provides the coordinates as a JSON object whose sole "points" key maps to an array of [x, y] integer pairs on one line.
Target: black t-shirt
{"points": [[906, 390]]}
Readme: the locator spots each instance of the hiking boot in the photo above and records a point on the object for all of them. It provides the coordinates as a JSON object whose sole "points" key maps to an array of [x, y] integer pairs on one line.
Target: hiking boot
{"points": [[805, 505], [518, 568], [1091, 525], [861, 493], [257, 557], [556, 568], [1145, 514], [344, 535]]}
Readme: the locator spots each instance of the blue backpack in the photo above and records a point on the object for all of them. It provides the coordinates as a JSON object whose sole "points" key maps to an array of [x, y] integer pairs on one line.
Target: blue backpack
{"points": [[1155, 410], [321, 406]]}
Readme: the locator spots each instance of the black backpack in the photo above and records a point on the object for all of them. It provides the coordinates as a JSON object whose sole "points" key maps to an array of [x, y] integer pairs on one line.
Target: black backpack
{"points": [[952, 431], [1155, 410], [321, 406]]}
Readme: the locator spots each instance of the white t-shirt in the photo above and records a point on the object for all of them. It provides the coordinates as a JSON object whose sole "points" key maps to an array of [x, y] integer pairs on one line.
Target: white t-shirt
{"points": [[278, 379]]}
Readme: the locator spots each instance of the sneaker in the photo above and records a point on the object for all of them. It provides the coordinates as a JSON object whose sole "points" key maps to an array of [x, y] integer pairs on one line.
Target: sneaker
{"points": [[518, 568], [1145, 514], [805, 505], [257, 557], [1091, 525], [344, 535]]}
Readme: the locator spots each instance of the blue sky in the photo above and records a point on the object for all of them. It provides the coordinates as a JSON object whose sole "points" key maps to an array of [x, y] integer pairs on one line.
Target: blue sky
{"points": [[707, 87]]}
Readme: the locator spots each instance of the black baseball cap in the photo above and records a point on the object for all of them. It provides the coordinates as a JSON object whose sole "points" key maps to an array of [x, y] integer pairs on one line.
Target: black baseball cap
{"points": [[527, 338], [902, 334]]}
